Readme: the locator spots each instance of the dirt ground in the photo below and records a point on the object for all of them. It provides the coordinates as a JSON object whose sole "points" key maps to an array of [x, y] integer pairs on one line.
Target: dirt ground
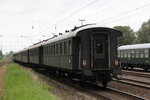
{"points": [[2, 73]]}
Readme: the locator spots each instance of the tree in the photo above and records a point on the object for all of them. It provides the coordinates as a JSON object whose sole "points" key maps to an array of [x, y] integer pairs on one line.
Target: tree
{"points": [[128, 35], [143, 34], [9, 54]]}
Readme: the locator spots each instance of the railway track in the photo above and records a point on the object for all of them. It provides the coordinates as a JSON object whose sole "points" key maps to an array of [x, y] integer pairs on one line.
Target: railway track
{"points": [[133, 73], [96, 91], [112, 94], [134, 83], [5, 62]]}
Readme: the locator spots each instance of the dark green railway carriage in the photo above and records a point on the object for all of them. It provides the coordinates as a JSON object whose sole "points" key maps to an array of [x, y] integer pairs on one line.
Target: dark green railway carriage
{"points": [[34, 54], [16, 56], [137, 56], [24, 56], [89, 50], [21, 56]]}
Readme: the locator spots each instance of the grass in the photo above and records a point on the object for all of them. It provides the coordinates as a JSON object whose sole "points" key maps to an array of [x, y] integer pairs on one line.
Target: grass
{"points": [[19, 85]]}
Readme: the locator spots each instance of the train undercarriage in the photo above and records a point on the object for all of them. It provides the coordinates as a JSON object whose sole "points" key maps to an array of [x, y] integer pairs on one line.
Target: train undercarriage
{"points": [[97, 76]]}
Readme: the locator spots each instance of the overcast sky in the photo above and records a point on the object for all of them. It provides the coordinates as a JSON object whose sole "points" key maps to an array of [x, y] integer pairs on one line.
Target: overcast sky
{"points": [[24, 22]]}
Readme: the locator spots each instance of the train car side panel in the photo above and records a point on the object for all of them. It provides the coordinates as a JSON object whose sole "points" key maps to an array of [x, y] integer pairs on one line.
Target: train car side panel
{"points": [[34, 55]]}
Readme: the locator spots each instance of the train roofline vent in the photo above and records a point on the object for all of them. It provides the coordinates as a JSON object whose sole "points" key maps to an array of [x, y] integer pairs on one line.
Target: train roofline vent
{"points": [[60, 33]]}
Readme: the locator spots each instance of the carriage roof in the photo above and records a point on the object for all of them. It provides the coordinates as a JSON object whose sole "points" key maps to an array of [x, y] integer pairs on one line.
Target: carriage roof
{"points": [[75, 32], [134, 46], [70, 34]]}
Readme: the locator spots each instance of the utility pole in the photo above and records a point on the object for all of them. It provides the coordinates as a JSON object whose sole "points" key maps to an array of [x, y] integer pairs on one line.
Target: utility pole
{"points": [[81, 20]]}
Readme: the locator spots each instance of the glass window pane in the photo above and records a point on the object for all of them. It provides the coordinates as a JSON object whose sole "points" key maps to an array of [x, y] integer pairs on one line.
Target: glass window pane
{"points": [[118, 54], [65, 47], [129, 54], [121, 54], [146, 55], [125, 54], [132, 53], [141, 55], [146, 51], [137, 53], [69, 47], [60, 48], [99, 46], [56, 48]]}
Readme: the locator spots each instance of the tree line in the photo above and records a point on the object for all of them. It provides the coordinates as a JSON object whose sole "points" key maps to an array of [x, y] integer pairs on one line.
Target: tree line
{"points": [[131, 37]]}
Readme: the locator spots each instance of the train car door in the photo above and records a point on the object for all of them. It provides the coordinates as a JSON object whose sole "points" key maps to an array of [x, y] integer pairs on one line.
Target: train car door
{"points": [[100, 51]]}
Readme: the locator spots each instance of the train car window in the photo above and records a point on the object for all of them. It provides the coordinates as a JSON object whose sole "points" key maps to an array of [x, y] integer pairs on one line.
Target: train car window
{"points": [[46, 50], [137, 53], [146, 53], [99, 46], [129, 55], [65, 47], [49, 50], [121, 52], [56, 49], [69, 47], [132, 53], [60, 48], [141, 53], [32, 53], [53, 49], [125, 54], [118, 53]]}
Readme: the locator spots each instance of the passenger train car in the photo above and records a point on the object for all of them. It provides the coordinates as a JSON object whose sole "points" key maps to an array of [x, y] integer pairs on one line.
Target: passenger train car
{"points": [[88, 52], [135, 56]]}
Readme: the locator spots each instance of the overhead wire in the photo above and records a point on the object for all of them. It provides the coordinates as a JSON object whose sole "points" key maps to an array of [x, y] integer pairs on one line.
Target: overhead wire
{"points": [[118, 15], [72, 14], [126, 12], [65, 8], [61, 11], [109, 7]]}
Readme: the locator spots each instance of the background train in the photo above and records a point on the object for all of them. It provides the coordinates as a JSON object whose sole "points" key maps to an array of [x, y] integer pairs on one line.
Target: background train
{"points": [[135, 56], [88, 53]]}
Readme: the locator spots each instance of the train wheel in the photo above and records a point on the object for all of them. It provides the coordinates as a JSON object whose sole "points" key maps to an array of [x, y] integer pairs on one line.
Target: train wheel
{"points": [[145, 69], [104, 83], [126, 67]]}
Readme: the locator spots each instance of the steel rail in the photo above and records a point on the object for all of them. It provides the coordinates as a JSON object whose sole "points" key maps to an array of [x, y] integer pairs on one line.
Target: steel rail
{"points": [[139, 74], [134, 83], [112, 94]]}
